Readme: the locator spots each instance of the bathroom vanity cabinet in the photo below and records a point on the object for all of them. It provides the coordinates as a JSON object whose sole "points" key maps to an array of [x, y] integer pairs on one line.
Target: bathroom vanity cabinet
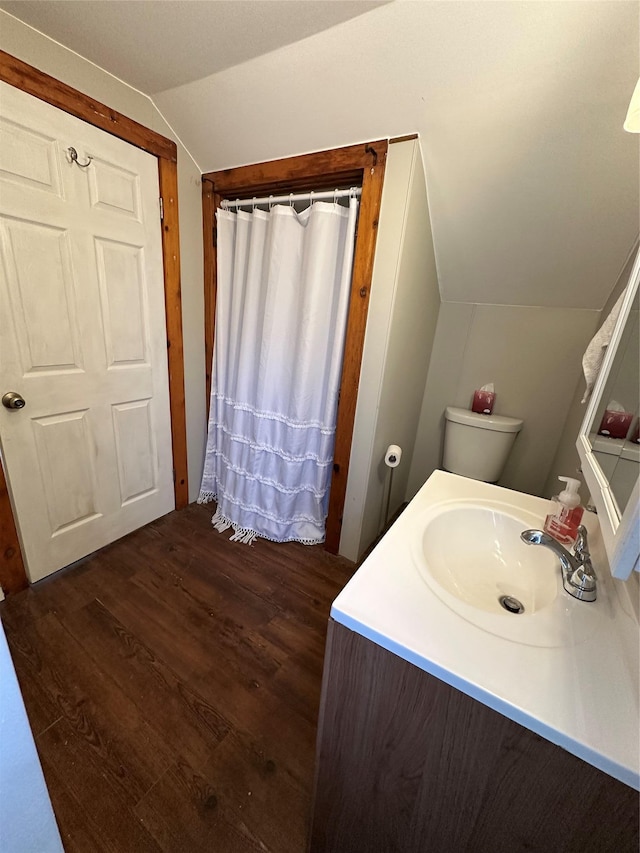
{"points": [[448, 724], [409, 764]]}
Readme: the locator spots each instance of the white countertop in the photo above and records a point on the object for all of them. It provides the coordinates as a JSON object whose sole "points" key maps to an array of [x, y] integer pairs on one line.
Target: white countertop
{"points": [[583, 696]]}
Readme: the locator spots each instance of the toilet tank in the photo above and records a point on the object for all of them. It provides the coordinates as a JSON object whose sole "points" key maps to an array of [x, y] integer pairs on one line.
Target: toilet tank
{"points": [[478, 446]]}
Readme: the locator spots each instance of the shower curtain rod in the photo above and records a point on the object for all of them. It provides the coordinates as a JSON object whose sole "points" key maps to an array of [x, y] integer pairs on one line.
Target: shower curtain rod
{"points": [[354, 192]]}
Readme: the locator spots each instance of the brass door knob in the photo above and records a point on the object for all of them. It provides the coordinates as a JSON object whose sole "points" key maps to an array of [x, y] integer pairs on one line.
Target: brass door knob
{"points": [[13, 400]]}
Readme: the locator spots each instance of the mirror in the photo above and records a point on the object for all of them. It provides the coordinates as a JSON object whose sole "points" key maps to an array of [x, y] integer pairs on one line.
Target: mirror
{"points": [[608, 442], [613, 433]]}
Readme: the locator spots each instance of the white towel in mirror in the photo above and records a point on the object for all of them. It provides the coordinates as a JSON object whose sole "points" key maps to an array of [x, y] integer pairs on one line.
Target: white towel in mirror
{"points": [[594, 354]]}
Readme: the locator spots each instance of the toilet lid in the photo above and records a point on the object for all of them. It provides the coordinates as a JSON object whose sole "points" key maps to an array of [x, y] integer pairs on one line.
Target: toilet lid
{"points": [[498, 423]]}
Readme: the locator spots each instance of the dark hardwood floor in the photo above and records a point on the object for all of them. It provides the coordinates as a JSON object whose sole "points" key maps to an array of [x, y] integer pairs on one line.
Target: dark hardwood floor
{"points": [[172, 682]]}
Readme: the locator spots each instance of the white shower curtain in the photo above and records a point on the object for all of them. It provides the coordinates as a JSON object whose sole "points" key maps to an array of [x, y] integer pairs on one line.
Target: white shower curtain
{"points": [[281, 312]]}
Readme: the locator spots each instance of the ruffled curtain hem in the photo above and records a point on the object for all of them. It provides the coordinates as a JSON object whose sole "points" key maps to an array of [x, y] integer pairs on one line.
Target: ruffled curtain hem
{"points": [[245, 535]]}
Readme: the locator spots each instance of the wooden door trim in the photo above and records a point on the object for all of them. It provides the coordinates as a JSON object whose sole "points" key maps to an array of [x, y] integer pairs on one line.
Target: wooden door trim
{"points": [[58, 94], [12, 573], [168, 181], [17, 73], [362, 165]]}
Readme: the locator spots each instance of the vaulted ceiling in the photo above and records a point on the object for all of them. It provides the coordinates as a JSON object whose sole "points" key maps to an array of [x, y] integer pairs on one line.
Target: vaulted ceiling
{"points": [[162, 44]]}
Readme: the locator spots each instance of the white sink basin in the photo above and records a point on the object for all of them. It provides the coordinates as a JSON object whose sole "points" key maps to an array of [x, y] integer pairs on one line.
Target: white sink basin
{"points": [[471, 556], [477, 555]]}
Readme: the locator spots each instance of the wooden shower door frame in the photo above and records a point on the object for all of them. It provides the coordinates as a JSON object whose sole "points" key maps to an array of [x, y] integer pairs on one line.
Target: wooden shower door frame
{"points": [[360, 165], [14, 71]]}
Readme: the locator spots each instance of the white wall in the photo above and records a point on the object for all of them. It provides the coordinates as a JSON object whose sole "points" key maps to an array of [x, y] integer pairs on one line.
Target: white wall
{"points": [[402, 318], [27, 822], [54, 59], [532, 355]]}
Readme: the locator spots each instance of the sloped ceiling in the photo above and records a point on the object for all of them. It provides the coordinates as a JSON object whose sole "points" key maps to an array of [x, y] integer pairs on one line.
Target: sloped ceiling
{"points": [[159, 44], [533, 184]]}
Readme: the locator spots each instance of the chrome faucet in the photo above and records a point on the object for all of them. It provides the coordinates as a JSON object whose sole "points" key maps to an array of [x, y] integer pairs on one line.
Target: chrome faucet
{"points": [[578, 575]]}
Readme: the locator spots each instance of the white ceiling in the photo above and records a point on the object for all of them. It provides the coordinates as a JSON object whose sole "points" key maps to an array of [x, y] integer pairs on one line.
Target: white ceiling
{"points": [[159, 44]]}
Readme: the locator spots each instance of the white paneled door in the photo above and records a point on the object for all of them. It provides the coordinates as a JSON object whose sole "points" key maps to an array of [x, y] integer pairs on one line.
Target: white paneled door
{"points": [[82, 334]]}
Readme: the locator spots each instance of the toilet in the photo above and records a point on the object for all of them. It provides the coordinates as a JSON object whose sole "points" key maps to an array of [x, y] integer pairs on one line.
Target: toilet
{"points": [[477, 446]]}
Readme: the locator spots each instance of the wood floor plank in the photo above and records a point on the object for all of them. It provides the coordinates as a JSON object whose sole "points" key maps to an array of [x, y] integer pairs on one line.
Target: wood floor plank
{"points": [[188, 631], [115, 733], [299, 576], [182, 812], [173, 681], [68, 589], [240, 695], [218, 615], [42, 709], [147, 681], [258, 579], [286, 636], [252, 780], [74, 774], [300, 689], [78, 829], [285, 738]]}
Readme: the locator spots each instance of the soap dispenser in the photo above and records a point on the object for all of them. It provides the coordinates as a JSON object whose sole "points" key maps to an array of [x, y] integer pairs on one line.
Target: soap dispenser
{"points": [[563, 522]]}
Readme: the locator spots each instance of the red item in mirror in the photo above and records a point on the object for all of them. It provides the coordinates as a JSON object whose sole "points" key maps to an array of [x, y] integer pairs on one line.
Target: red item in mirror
{"points": [[615, 424]]}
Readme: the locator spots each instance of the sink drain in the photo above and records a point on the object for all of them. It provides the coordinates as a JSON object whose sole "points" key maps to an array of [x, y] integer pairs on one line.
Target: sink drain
{"points": [[511, 604]]}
